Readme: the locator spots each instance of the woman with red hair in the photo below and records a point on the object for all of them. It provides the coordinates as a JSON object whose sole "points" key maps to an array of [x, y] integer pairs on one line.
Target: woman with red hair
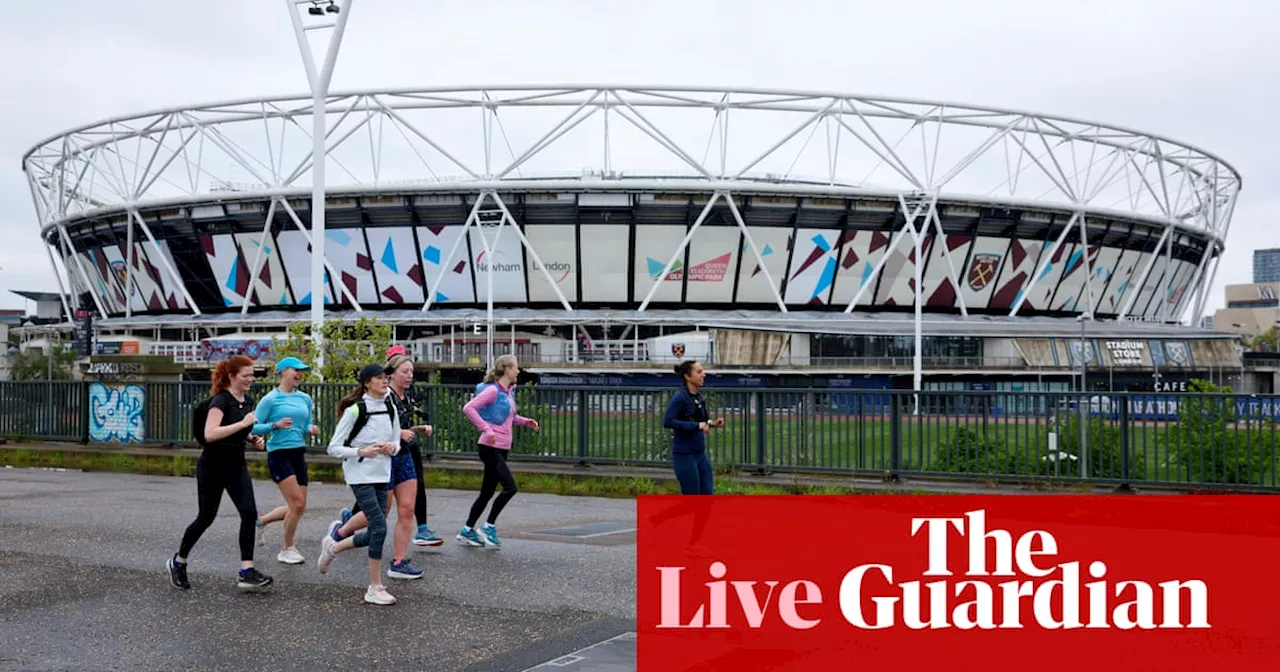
{"points": [[222, 466]]}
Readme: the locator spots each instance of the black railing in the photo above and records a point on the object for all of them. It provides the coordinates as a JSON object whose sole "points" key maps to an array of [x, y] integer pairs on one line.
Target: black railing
{"points": [[1123, 438]]}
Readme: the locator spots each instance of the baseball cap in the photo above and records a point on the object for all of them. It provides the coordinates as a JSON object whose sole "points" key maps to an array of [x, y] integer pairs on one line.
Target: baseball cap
{"points": [[291, 363], [396, 350], [370, 371]]}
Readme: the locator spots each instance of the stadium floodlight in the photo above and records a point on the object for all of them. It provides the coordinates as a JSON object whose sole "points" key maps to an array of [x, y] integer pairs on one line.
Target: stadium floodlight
{"points": [[319, 80]]}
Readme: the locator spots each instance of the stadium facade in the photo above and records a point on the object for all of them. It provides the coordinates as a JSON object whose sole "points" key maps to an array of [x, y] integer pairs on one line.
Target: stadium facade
{"points": [[603, 232]]}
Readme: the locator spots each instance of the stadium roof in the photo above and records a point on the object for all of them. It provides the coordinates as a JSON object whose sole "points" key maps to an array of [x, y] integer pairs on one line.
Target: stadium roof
{"points": [[887, 324]]}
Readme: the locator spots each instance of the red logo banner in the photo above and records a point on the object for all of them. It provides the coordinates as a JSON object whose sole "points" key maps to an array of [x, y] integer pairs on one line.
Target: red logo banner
{"points": [[987, 583]]}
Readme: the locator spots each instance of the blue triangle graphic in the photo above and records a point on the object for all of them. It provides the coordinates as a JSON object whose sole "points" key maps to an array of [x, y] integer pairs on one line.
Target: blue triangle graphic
{"points": [[768, 249], [389, 257], [441, 297], [655, 266]]}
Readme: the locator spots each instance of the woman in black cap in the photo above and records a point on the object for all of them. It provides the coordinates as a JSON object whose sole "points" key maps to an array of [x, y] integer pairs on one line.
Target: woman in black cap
{"points": [[367, 435]]}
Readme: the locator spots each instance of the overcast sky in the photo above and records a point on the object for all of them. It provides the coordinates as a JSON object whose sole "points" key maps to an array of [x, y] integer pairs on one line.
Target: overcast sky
{"points": [[1204, 73]]}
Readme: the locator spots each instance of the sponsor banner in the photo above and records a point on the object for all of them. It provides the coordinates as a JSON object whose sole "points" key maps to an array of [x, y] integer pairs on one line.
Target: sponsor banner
{"points": [[953, 583]]}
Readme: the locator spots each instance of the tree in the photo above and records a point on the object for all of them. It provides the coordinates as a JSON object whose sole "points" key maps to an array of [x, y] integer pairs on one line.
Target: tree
{"points": [[347, 347], [1217, 441], [33, 364], [1267, 341]]}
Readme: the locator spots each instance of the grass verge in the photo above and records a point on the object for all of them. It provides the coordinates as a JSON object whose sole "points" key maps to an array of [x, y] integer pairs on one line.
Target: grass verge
{"points": [[452, 479]]}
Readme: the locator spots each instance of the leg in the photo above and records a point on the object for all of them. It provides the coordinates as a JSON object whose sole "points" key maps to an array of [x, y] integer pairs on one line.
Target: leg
{"points": [[405, 494], [241, 490], [686, 468], [706, 475], [508, 486], [209, 486], [295, 496], [488, 483], [420, 501]]}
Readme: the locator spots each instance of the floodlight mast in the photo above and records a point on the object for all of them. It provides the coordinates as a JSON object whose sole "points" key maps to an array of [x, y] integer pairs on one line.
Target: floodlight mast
{"points": [[319, 81]]}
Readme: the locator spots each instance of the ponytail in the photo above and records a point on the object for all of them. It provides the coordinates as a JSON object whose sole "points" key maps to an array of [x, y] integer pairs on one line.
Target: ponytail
{"points": [[226, 369], [350, 399], [500, 366]]}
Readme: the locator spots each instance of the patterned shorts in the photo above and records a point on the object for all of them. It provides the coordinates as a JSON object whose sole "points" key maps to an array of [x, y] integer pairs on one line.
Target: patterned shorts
{"points": [[402, 468]]}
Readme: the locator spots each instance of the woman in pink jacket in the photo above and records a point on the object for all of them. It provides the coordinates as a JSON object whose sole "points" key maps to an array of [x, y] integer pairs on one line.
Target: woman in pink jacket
{"points": [[493, 411]]}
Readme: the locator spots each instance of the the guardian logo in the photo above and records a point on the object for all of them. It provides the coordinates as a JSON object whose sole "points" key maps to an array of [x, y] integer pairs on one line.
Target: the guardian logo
{"points": [[1042, 591]]}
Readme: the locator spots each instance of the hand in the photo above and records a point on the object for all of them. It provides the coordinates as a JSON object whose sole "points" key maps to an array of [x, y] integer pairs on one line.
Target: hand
{"points": [[390, 448], [257, 442], [369, 451], [427, 430], [314, 431], [702, 427], [716, 424], [249, 420], [533, 424], [283, 424], [406, 435]]}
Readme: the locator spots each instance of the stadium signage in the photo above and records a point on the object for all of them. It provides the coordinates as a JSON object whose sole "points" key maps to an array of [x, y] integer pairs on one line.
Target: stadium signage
{"points": [[1126, 353]]}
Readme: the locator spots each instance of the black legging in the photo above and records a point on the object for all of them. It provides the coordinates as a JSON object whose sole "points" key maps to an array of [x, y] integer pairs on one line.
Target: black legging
{"points": [[420, 503], [495, 471], [211, 480]]}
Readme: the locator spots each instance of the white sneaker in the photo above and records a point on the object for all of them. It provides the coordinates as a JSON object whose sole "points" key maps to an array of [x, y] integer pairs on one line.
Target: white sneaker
{"points": [[326, 554], [291, 556], [378, 595]]}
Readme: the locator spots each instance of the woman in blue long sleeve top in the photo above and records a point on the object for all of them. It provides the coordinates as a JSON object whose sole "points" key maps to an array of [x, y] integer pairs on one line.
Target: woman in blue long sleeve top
{"points": [[689, 423], [284, 415]]}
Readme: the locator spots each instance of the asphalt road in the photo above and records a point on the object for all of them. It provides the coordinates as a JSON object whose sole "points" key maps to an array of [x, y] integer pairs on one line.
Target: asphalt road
{"points": [[83, 585]]}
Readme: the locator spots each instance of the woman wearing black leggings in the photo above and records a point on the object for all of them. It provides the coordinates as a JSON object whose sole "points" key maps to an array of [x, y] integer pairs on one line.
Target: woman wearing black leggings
{"points": [[222, 467]]}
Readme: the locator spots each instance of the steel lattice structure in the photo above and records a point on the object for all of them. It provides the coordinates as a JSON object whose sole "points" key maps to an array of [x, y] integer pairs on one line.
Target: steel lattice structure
{"points": [[203, 209]]}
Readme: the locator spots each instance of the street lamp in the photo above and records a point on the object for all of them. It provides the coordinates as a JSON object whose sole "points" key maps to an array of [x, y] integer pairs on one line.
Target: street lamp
{"points": [[319, 81], [1084, 397]]}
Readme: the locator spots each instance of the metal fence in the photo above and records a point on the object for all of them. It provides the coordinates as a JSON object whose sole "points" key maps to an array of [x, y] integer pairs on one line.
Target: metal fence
{"points": [[1168, 439]]}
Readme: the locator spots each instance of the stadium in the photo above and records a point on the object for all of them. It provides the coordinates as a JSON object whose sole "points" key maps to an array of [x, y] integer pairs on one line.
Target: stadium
{"points": [[603, 232]]}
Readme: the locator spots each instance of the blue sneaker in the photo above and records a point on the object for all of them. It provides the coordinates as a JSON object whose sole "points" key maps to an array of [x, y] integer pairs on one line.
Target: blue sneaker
{"points": [[468, 536], [333, 530], [425, 537], [403, 570], [490, 535], [345, 515]]}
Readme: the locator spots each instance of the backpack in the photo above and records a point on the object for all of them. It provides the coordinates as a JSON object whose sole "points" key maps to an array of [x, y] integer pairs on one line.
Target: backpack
{"points": [[200, 415], [362, 418]]}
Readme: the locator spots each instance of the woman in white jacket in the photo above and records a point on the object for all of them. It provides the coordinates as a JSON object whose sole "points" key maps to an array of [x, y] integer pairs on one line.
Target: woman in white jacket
{"points": [[367, 435]]}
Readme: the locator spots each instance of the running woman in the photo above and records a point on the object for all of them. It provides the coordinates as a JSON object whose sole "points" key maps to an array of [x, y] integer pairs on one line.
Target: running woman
{"points": [[689, 423], [408, 406], [222, 466], [404, 480], [366, 453], [284, 415], [493, 411]]}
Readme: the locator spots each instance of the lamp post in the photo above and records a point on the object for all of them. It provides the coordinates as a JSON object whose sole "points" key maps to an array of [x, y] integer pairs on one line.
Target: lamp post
{"points": [[1084, 397], [319, 81]]}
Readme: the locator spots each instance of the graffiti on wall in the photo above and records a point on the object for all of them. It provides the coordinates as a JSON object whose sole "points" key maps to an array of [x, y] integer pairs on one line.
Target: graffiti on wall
{"points": [[115, 413]]}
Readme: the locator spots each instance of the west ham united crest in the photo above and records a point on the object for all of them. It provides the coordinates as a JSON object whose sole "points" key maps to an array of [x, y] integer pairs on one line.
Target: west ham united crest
{"points": [[982, 270], [677, 350]]}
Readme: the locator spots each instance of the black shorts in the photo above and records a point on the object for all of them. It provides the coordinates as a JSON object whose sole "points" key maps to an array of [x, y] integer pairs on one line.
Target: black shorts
{"points": [[287, 462]]}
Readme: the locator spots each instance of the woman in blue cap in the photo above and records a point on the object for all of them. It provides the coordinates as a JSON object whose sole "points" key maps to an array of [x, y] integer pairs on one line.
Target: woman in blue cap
{"points": [[284, 416]]}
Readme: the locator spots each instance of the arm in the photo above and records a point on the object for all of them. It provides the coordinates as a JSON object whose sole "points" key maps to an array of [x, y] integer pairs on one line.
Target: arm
{"points": [[472, 409], [672, 421], [263, 411], [215, 431], [345, 423]]}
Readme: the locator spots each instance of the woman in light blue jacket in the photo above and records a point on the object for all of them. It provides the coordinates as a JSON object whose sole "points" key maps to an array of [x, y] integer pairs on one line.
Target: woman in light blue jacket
{"points": [[367, 435]]}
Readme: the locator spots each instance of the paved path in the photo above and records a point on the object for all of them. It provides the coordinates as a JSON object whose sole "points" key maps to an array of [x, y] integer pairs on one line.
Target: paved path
{"points": [[83, 585]]}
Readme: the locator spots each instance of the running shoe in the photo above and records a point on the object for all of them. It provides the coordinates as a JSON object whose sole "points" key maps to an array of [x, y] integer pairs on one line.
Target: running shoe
{"points": [[403, 570], [345, 514], [326, 554], [468, 536], [178, 574], [291, 556], [425, 537], [378, 595], [489, 532], [252, 579]]}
